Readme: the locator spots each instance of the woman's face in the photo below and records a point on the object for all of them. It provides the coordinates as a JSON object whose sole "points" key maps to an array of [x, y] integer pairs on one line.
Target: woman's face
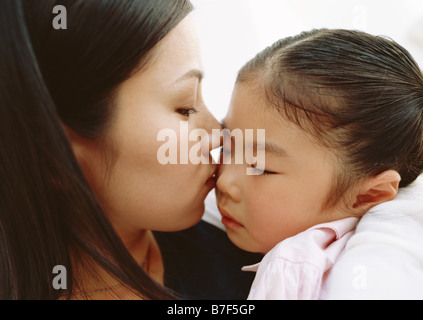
{"points": [[138, 192]]}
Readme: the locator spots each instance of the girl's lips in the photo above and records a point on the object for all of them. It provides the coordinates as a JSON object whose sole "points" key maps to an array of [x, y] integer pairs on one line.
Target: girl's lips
{"points": [[228, 221]]}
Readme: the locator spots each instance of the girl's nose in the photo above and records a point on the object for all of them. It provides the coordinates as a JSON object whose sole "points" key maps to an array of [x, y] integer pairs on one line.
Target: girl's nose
{"points": [[228, 181]]}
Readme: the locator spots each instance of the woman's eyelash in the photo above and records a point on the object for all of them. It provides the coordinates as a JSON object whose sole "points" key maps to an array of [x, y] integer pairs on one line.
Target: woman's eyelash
{"points": [[186, 111]]}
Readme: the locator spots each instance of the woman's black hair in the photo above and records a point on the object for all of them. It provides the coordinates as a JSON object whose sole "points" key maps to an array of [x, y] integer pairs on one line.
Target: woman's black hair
{"points": [[360, 94], [48, 213]]}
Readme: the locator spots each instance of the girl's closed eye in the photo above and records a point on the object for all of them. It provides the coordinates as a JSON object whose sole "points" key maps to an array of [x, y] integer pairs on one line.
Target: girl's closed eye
{"points": [[259, 171]]}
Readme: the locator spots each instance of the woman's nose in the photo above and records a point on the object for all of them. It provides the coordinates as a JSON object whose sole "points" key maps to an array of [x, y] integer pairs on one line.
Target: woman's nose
{"points": [[208, 120], [210, 145], [213, 128]]}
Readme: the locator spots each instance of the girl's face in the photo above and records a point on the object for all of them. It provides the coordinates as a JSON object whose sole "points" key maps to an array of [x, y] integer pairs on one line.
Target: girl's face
{"points": [[259, 211], [138, 192]]}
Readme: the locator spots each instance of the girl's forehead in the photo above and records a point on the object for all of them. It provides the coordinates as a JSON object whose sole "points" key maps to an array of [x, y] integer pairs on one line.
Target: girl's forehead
{"points": [[250, 110]]}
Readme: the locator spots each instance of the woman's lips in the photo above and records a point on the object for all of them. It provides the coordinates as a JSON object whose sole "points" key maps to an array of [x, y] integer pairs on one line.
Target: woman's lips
{"points": [[211, 181], [227, 220], [212, 178]]}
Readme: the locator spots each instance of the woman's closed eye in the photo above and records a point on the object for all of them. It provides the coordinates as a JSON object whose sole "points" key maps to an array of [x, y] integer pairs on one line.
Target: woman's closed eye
{"points": [[186, 112]]}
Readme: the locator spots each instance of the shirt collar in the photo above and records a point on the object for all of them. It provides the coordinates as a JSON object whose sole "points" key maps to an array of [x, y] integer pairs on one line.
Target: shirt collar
{"points": [[339, 227]]}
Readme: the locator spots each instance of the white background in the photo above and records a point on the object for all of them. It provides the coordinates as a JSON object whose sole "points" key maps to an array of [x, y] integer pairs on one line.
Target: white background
{"points": [[233, 31]]}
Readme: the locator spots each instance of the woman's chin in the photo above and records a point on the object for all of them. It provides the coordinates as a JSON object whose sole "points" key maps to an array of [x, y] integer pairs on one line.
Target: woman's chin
{"points": [[190, 219]]}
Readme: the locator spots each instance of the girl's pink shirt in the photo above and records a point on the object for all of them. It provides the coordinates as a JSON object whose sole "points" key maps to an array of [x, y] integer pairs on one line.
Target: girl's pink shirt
{"points": [[297, 268]]}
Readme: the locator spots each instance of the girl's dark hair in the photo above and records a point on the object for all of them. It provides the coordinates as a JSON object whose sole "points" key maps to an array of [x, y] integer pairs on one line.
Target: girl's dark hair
{"points": [[359, 94], [48, 214]]}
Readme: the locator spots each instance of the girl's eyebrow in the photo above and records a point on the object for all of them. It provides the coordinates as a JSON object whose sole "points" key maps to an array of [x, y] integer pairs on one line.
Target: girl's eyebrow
{"points": [[268, 146], [275, 149]]}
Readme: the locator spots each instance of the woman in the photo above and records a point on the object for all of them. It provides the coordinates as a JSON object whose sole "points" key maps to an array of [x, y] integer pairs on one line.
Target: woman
{"points": [[82, 187]]}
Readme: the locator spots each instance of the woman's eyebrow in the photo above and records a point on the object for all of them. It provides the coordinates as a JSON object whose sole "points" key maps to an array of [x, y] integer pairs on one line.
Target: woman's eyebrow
{"points": [[194, 73]]}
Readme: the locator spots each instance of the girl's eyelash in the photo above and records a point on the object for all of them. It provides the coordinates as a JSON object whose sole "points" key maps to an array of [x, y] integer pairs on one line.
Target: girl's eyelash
{"points": [[263, 172], [186, 111]]}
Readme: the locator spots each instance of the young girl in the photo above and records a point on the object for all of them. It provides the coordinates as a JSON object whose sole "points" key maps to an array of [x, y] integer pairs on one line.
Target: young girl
{"points": [[343, 114]]}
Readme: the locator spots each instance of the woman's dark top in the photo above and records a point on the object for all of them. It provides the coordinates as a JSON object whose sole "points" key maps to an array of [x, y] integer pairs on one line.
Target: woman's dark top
{"points": [[202, 263]]}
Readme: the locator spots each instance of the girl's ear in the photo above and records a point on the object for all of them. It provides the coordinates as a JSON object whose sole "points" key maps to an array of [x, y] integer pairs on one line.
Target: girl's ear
{"points": [[376, 190]]}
